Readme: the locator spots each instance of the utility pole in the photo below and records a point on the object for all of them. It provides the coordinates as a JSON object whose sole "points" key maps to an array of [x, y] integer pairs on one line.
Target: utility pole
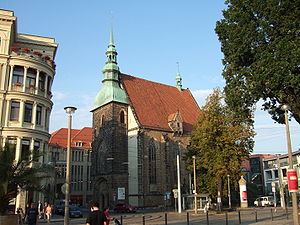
{"points": [[289, 145]]}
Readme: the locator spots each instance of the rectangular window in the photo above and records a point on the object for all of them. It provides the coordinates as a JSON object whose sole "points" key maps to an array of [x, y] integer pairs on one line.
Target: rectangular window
{"points": [[36, 150], [30, 78], [46, 117], [14, 111], [28, 112], [284, 172], [18, 75], [42, 79], [25, 149], [49, 85], [39, 115], [12, 143]]}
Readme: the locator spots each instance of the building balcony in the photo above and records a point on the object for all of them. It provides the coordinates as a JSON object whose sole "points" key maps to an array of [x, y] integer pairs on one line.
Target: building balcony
{"points": [[18, 87], [33, 55]]}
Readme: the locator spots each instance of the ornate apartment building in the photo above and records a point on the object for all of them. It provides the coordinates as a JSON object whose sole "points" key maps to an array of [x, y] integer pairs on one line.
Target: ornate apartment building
{"points": [[139, 128], [27, 70]]}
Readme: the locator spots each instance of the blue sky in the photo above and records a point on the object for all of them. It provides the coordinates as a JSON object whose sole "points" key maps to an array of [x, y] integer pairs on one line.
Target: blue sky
{"points": [[150, 37]]}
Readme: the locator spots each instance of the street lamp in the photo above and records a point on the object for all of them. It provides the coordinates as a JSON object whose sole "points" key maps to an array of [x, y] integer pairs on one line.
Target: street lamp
{"points": [[289, 145], [69, 110], [178, 184], [195, 184]]}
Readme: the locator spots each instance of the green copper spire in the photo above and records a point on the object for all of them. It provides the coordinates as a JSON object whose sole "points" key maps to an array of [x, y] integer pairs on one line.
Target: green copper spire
{"points": [[111, 90], [111, 37], [178, 79]]}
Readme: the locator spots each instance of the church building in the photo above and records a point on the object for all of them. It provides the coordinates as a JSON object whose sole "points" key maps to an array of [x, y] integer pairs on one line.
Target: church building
{"points": [[139, 128]]}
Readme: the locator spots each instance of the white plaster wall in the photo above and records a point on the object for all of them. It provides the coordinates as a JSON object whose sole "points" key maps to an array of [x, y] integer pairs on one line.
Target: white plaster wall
{"points": [[132, 158]]}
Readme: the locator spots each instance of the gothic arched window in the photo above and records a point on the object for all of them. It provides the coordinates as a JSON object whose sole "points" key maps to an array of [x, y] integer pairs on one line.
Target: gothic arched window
{"points": [[152, 162], [122, 117]]}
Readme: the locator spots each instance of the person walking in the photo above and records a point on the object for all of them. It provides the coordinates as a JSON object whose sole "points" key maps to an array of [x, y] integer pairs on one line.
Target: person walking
{"points": [[96, 216], [107, 215], [40, 209], [32, 214], [48, 212], [20, 214]]}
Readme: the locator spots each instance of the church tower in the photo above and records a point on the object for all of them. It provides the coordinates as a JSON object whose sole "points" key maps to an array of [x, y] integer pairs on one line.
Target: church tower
{"points": [[109, 170]]}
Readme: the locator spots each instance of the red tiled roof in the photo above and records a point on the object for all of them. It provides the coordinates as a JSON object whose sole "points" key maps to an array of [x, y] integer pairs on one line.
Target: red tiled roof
{"points": [[264, 156], [154, 102], [60, 137]]}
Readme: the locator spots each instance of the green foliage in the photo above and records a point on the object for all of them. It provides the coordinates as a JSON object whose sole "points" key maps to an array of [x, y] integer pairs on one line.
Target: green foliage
{"points": [[220, 141], [26, 174], [260, 40]]}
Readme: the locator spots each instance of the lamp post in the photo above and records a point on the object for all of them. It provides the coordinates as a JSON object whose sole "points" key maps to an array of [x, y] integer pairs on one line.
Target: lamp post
{"points": [[69, 110], [195, 184], [178, 184], [289, 145], [229, 195]]}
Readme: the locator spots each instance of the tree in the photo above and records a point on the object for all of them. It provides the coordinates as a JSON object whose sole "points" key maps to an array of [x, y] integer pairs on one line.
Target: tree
{"points": [[220, 141], [260, 40], [25, 174]]}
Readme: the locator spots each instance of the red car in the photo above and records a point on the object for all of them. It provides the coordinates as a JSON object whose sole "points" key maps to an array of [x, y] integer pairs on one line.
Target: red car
{"points": [[124, 208]]}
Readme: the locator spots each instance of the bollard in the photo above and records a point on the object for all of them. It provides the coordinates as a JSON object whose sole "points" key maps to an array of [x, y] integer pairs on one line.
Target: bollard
{"points": [[121, 220], [187, 218], [271, 214], [240, 220], [166, 218], [207, 219], [226, 218], [144, 220], [255, 215]]}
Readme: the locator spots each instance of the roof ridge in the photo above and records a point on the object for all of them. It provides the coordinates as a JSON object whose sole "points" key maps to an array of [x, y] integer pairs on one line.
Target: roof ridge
{"points": [[123, 74]]}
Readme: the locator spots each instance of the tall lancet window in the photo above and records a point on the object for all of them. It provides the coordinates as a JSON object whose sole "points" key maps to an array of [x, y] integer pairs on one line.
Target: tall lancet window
{"points": [[152, 162], [122, 117]]}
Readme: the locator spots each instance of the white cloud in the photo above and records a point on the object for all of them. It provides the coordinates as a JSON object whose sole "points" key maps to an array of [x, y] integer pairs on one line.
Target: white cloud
{"points": [[81, 118], [59, 95], [201, 95]]}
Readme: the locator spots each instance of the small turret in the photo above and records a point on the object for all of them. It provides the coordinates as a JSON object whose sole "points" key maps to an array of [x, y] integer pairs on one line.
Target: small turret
{"points": [[178, 79]]}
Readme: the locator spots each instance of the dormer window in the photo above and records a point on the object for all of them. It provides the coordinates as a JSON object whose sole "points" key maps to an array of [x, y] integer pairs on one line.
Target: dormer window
{"points": [[175, 122], [78, 143]]}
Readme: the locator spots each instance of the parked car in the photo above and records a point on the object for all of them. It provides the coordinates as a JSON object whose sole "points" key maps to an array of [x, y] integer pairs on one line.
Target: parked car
{"points": [[264, 201], [59, 209], [124, 208], [75, 212]]}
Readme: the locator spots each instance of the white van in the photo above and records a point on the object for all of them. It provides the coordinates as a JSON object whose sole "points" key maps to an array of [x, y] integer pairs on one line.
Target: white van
{"points": [[264, 201]]}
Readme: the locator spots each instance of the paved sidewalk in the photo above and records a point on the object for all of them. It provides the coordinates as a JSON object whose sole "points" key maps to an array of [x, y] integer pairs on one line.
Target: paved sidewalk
{"points": [[247, 217]]}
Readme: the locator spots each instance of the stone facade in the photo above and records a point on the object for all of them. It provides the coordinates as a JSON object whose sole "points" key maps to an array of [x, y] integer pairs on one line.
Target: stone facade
{"points": [[110, 154], [117, 164]]}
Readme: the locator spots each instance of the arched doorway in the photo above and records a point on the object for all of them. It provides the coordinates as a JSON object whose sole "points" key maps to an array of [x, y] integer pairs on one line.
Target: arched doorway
{"points": [[102, 193]]}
